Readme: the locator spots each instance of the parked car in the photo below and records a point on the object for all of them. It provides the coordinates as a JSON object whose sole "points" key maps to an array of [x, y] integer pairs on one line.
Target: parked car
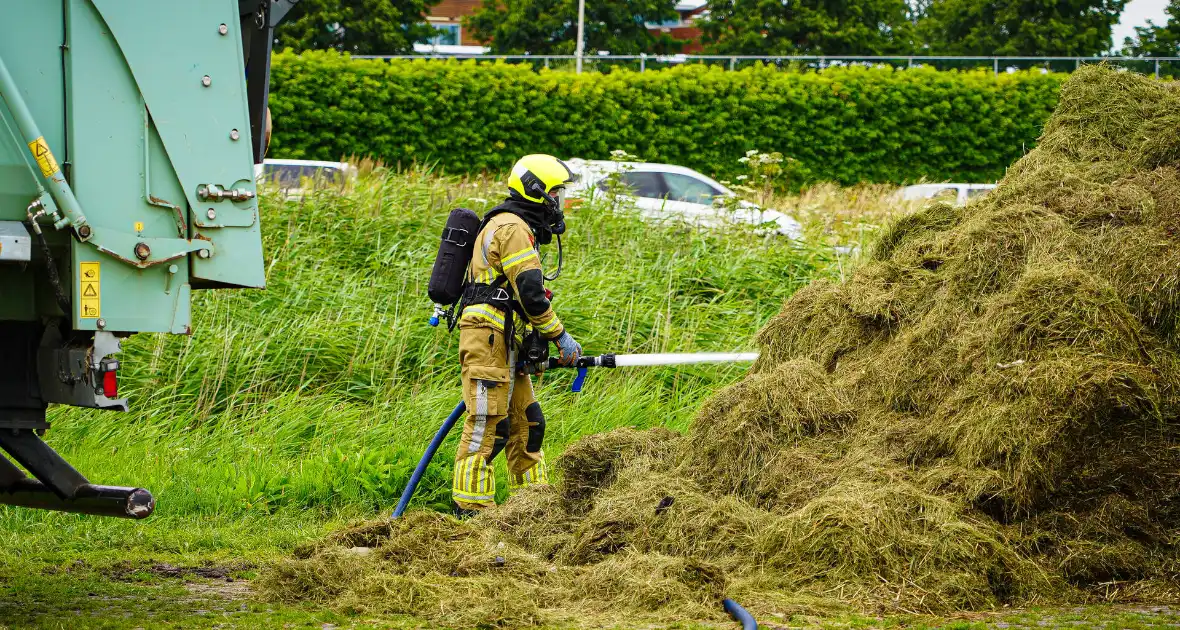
{"points": [[292, 176], [666, 191], [958, 193]]}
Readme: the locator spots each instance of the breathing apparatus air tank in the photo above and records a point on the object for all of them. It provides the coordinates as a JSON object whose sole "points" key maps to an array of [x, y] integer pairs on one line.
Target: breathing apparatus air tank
{"points": [[447, 278]]}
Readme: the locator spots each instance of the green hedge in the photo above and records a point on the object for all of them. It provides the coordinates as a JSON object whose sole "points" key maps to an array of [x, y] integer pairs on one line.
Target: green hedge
{"points": [[845, 125]]}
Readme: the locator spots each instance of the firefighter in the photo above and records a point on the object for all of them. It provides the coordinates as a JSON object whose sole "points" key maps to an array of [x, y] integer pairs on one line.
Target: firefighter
{"points": [[506, 299]]}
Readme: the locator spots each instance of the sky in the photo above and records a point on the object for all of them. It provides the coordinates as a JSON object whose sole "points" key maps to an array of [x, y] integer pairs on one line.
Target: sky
{"points": [[1137, 13]]}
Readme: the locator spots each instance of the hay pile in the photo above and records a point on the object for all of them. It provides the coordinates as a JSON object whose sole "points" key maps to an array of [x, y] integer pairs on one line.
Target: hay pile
{"points": [[986, 413]]}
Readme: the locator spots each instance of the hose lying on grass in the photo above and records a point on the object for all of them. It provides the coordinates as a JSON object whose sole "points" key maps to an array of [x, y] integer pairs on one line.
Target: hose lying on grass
{"points": [[408, 493], [740, 615]]}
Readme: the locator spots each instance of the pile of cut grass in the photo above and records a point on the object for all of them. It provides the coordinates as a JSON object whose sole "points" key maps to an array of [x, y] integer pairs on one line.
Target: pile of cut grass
{"points": [[985, 413]]}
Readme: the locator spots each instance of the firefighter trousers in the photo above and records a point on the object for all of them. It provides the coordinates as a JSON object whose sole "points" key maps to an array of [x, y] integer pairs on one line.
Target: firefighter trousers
{"points": [[502, 415]]}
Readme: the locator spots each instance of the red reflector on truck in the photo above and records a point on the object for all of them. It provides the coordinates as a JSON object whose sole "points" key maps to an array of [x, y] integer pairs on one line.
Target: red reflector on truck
{"points": [[110, 384]]}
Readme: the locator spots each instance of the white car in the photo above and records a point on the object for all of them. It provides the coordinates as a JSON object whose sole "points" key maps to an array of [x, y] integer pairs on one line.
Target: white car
{"points": [[290, 175], [666, 191], [959, 193]]}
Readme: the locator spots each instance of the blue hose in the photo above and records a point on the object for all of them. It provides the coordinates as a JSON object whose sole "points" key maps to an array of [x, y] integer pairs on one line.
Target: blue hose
{"points": [[408, 493], [740, 615]]}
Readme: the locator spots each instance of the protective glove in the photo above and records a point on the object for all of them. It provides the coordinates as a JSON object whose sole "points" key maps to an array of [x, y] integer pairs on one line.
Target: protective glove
{"points": [[571, 350]]}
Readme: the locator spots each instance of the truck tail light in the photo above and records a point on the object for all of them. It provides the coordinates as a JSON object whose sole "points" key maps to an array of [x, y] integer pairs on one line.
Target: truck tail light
{"points": [[108, 371], [110, 384]]}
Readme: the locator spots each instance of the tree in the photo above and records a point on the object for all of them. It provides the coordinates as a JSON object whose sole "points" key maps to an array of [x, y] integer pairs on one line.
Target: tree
{"points": [[1156, 41], [1020, 27], [786, 27], [551, 26], [374, 27]]}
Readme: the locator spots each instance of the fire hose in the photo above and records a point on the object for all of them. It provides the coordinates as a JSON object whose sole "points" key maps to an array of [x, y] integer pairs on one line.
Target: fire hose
{"points": [[739, 614], [583, 365]]}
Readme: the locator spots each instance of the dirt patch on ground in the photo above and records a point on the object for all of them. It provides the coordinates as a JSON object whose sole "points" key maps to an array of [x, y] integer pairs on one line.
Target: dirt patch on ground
{"points": [[133, 571], [237, 589]]}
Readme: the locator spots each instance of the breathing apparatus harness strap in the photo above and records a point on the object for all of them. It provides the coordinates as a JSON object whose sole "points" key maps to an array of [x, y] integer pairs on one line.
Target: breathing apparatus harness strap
{"points": [[498, 295]]}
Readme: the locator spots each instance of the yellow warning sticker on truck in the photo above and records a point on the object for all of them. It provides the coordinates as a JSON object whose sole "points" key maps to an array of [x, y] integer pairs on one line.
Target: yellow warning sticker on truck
{"points": [[44, 157], [90, 277]]}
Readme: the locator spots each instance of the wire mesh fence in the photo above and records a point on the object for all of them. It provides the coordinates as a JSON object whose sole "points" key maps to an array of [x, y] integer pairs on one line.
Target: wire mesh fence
{"points": [[1157, 66]]}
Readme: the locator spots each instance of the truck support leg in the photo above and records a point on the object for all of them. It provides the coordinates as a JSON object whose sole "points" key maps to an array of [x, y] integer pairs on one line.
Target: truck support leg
{"points": [[58, 486]]}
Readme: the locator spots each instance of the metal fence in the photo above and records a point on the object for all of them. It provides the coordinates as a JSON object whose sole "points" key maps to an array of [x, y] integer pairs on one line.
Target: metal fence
{"points": [[1159, 66]]}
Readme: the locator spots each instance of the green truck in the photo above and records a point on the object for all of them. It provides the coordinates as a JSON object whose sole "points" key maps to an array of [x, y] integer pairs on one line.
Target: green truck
{"points": [[129, 131]]}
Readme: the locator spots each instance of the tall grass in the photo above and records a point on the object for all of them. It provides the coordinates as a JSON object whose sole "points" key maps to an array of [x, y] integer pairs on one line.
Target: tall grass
{"points": [[320, 392]]}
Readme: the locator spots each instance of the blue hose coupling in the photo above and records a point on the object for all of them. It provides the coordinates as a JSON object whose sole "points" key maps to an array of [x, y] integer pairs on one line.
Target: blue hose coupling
{"points": [[434, 321]]}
